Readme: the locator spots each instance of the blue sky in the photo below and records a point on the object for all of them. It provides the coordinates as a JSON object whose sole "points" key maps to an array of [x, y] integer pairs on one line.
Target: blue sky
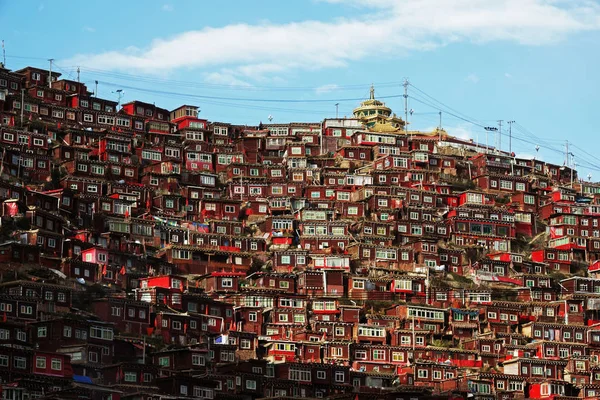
{"points": [[531, 61]]}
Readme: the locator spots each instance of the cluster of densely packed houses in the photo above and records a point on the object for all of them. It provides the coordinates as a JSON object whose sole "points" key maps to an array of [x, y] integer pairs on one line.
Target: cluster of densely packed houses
{"points": [[150, 254]]}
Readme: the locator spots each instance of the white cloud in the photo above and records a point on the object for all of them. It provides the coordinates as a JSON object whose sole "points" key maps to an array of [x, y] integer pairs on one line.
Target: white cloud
{"points": [[88, 29], [461, 131], [224, 78], [41, 7], [529, 156], [473, 78], [168, 7], [507, 75], [326, 88], [261, 50]]}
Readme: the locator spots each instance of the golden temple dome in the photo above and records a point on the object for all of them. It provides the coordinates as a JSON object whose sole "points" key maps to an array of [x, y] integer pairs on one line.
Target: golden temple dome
{"points": [[374, 113]]}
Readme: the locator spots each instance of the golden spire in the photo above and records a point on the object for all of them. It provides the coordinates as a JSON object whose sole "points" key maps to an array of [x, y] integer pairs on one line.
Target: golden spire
{"points": [[372, 97]]}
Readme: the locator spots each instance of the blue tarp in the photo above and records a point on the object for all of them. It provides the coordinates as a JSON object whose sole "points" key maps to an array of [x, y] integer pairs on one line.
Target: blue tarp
{"points": [[82, 379]]}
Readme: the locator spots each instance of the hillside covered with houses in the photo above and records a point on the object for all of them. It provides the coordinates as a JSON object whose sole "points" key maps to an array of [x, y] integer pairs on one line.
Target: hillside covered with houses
{"points": [[149, 254]]}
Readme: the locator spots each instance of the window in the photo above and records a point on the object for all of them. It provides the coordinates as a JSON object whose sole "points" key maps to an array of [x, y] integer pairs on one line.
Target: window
{"points": [[56, 364], [42, 331], [183, 389], [250, 384], [99, 332], [337, 351], [300, 375], [537, 370], [422, 373], [506, 185], [164, 361], [20, 362]]}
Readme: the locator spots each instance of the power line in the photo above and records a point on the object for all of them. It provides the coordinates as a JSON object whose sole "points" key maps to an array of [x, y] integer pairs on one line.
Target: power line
{"points": [[70, 74], [585, 152], [546, 146], [422, 97], [442, 104], [457, 114], [253, 106], [445, 111], [164, 92], [153, 79]]}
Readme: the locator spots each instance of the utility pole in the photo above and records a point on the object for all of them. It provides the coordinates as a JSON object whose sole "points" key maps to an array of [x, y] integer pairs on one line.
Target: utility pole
{"points": [[120, 94], [567, 153], [78, 82], [321, 139], [96, 90], [405, 84], [510, 136], [3, 54], [50, 73], [22, 105], [486, 140], [427, 278], [336, 110], [488, 129], [413, 333], [500, 134]]}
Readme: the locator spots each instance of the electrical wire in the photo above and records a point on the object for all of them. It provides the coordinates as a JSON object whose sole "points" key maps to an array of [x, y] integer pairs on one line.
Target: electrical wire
{"points": [[442, 104], [521, 133], [475, 123], [444, 108], [197, 96], [155, 79]]}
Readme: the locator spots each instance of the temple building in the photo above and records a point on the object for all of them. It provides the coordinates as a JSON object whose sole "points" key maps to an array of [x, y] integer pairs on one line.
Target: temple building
{"points": [[376, 116]]}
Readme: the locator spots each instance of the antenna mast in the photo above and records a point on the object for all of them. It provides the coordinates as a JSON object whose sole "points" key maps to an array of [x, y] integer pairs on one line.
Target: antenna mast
{"points": [[3, 54], [510, 136], [500, 134], [405, 84], [50, 73]]}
